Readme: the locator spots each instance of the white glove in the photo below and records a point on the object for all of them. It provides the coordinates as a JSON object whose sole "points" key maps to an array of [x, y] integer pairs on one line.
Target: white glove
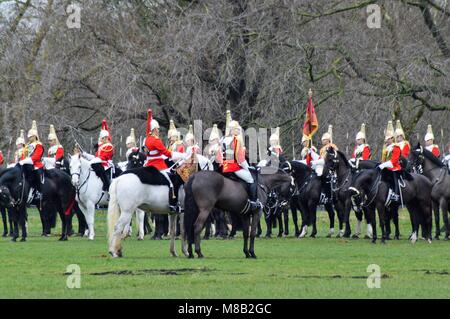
{"points": [[177, 156], [26, 161], [387, 164], [87, 156], [314, 155], [319, 161]]}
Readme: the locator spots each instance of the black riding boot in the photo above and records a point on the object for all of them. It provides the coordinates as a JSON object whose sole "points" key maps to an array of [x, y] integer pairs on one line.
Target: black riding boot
{"points": [[173, 202], [100, 171], [393, 196], [253, 197]]}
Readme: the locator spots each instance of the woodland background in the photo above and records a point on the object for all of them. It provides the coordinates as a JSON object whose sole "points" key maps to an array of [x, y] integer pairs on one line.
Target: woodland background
{"points": [[194, 59]]}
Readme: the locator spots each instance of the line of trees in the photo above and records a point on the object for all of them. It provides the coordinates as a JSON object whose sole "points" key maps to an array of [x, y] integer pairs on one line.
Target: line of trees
{"points": [[194, 59]]}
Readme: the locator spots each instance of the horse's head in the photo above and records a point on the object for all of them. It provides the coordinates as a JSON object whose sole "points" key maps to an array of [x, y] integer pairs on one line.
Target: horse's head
{"points": [[75, 168], [332, 161], [362, 184], [135, 159], [6, 200], [417, 158]]}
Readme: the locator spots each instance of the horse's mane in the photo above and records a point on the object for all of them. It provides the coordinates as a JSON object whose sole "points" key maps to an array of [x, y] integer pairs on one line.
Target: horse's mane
{"points": [[299, 165], [430, 156]]}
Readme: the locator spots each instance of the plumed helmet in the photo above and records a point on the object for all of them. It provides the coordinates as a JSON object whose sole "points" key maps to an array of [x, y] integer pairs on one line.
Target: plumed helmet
{"points": [[131, 139], [399, 129], [228, 122], [275, 137], [21, 138], [52, 134], [362, 132], [190, 135], [429, 135], [33, 131], [389, 132], [328, 135], [214, 134], [172, 130]]}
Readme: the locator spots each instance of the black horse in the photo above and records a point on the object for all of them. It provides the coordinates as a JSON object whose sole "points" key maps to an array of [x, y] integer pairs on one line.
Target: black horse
{"points": [[341, 172], [308, 195], [58, 194], [424, 162], [369, 187]]}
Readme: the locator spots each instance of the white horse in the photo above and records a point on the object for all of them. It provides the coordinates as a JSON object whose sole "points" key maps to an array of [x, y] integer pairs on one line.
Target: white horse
{"points": [[128, 193], [89, 190]]}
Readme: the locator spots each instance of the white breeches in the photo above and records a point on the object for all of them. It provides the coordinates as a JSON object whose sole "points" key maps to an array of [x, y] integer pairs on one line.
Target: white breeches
{"points": [[164, 172], [245, 175]]}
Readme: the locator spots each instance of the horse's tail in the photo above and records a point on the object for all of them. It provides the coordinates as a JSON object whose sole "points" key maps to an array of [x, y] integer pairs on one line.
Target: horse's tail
{"points": [[113, 209], [190, 211]]}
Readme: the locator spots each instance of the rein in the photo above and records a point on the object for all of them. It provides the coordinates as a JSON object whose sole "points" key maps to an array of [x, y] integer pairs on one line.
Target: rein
{"points": [[375, 187], [20, 200]]}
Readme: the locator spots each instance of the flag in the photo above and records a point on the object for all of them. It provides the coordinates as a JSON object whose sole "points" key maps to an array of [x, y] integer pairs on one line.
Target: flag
{"points": [[311, 124]]}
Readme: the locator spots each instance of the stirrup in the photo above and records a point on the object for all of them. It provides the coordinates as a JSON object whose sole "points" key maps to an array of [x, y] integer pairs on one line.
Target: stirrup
{"points": [[255, 205], [392, 197], [175, 209]]}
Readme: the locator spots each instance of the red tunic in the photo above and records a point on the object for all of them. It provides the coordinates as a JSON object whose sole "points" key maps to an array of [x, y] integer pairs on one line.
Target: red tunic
{"points": [[105, 152], [405, 148], [2, 160], [155, 152], [231, 164], [393, 155], [361, 152], [56, 151], [177, 147], [35, 151], [434, 149]]}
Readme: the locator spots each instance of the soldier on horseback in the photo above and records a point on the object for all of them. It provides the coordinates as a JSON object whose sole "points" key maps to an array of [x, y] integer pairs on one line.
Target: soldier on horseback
{"points": [[32, 155], [175, 143], [361, 151], [156, 154], [401, 141], [306, 154], [213, 148], [275, 147], [131, 144], [191, 145], [56, 151], [392, 163], [102, 163], [429, 142], [234, 162], [20, 148], [318, 161]]}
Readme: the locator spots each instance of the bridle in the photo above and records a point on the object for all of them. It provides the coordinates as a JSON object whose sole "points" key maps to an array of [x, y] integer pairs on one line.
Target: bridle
{"points": [[78, 188], [335, 187], [373, 190], [418, 162]]}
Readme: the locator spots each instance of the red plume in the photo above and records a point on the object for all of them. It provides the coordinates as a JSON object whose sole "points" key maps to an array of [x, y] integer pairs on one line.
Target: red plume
{"points": [[106, 128], [149, 121]]}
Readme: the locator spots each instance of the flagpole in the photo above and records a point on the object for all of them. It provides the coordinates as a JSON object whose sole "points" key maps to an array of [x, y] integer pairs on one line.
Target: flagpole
{"points": [[310, 93]]}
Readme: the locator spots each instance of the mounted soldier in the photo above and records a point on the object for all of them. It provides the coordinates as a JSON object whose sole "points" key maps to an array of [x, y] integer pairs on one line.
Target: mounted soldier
{"points": [[191, 145], [20, 148], [175, 142], [318, 162], [56, 151], [102, 163], [32, 155], [275, 147], [392, 163], [306, 154], [130, 143], [361, 151], [234, 162], [157, 153], [401, 141], [429, 142], [213, 148]]}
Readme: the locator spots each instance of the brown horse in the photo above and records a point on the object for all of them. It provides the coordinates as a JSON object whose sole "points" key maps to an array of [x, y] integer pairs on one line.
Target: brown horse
{"points": [[206, 190]]}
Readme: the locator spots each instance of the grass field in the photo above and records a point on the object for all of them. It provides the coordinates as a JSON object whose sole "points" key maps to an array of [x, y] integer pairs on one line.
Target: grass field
{"points": [[285, 268]]}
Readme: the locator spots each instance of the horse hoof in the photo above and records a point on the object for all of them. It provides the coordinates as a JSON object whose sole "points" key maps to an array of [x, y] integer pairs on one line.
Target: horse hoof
{"points": [[114, 255], [268, 236], [312, 236], [200, 255], [174, 254], [279, 235], [436, 237], [367, 237], [446, 238], [5, 235], [355, 236], [190, 256], [397, 237], [23, 239], [374, 241]]}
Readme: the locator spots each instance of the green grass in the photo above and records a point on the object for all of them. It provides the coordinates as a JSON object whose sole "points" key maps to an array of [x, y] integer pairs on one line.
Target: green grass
{"points": [[285, 268]]}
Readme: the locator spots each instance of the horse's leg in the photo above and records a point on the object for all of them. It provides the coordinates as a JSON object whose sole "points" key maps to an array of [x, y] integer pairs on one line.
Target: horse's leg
{"points": [[279, 218], [295, 219], [173, 232], [285, 212], [313, 220], [10, 220], [115, 246], [305, 220], [268, 219], [346, 211], [330, 210], [382, 218], [436, 219], [395, 218], [90, 216], [359, 218], [340, 213], [183, 236], [388, 217], [23, 222], [140, 215], [5, 222], [255, 219], [443, 205], [414, 211], [198, 226], [373, 222], [245, 232]]}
